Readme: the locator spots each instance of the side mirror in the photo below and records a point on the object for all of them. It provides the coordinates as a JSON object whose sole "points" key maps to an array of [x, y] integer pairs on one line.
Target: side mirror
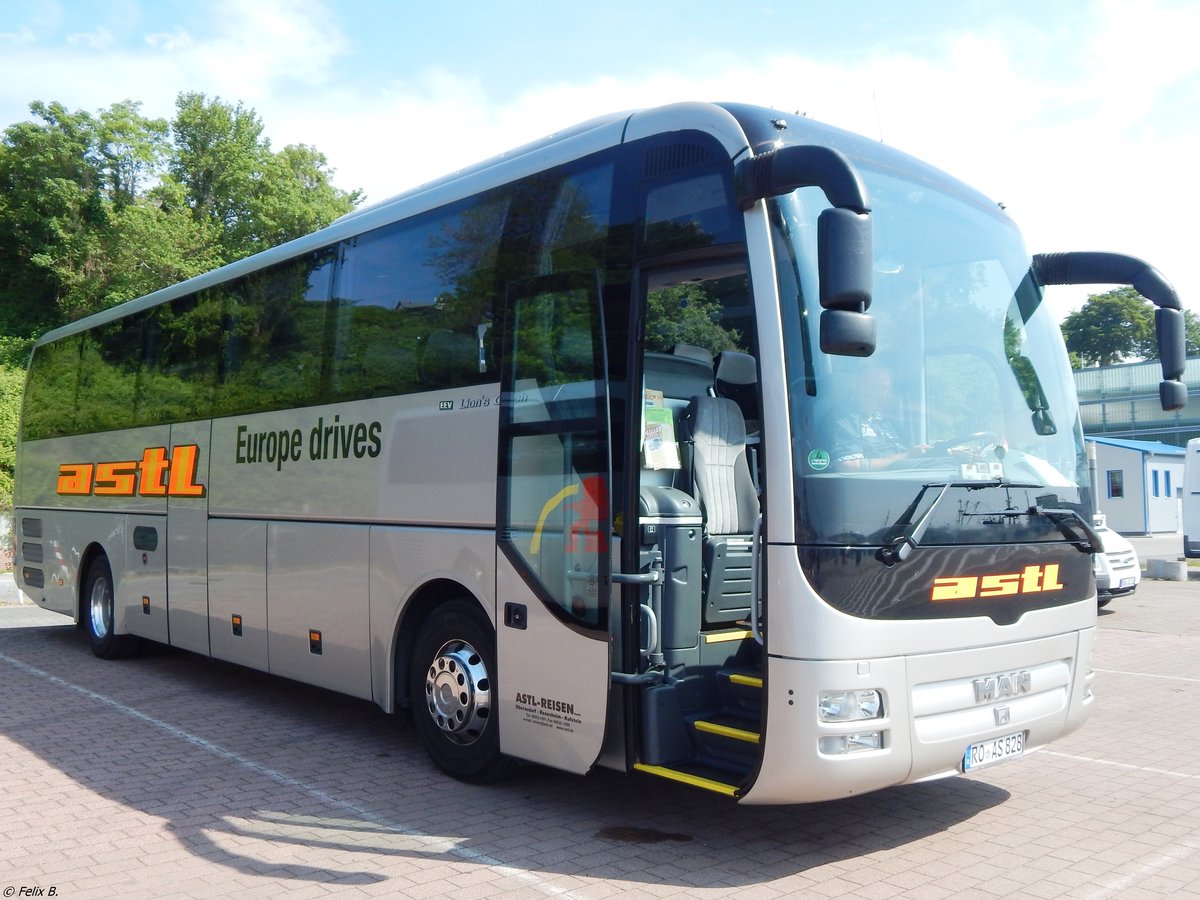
{"points": [[844, 264], [844, 243]]}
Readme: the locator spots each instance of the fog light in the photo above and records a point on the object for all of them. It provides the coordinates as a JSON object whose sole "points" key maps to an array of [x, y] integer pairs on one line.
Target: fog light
{"points": [[839, 744], [850, 706]]}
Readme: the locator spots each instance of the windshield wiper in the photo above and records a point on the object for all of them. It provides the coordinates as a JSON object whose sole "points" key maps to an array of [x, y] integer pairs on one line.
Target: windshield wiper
{"points": [[1084, 539], [906, 535], [1064, 520]]}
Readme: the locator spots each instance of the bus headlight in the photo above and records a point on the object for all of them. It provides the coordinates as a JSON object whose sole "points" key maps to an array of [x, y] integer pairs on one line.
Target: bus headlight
{"points": [[850, 706]]}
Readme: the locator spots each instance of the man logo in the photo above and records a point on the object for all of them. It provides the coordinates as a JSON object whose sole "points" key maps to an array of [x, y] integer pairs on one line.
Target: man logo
{"points": [[1002, 687]]}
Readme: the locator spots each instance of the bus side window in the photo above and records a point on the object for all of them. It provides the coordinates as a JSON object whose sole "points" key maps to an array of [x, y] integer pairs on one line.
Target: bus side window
{"points": [[412, 302], [49, 409], [274, 326], [181, 344]]}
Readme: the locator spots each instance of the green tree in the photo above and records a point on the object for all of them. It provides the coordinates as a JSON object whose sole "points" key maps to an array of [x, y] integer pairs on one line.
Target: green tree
{"points": [[1117, 326], [12, 379], [98, 209], [231, 177], [130, 151], [51, 213], [685, 314], [1191, 324], [1110, 328]]}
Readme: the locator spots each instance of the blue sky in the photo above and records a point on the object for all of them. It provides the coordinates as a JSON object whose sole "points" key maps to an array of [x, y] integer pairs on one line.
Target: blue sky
{"points": [[1081, 116]]}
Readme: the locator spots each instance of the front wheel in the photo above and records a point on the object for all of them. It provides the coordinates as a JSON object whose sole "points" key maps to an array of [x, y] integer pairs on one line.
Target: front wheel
{"points": [[453, 690], [99, 604]]}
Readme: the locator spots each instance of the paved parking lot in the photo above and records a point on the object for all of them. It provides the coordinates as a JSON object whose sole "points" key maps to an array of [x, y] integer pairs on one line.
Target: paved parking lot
{"points": [[171, 775]]}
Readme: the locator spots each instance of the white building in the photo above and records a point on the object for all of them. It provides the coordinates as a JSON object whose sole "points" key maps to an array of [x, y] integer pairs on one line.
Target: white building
{"points": [[1139, 484]]}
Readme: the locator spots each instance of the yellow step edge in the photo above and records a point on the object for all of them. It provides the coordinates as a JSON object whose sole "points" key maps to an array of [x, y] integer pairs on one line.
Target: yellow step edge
{"points": [[707, 784], [737, 734], [746, 680]]}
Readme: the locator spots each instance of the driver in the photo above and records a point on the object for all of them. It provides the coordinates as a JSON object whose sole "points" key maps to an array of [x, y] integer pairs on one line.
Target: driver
{"points": [[864, 439]]}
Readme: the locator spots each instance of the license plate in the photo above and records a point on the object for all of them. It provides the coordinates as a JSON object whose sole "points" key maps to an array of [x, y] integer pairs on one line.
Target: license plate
{"points": [[1127, 582], [986, 753]]}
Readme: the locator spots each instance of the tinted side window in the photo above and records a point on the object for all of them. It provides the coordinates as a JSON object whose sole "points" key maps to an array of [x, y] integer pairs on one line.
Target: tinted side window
{"points": [[575, 235], [108, 374], [413, 303], [274, 324], [686, 189], [49, 409], [179, 366]]}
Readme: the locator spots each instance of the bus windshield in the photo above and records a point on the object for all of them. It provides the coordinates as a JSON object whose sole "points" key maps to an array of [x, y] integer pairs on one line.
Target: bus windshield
{"points": [[969, 388]]}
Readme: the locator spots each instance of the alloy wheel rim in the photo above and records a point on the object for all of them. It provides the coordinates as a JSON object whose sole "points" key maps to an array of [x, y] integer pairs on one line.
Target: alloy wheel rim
{"points": [[458, 692]]}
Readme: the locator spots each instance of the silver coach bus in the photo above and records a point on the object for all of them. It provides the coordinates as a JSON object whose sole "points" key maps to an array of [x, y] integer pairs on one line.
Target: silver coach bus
{"points": [[703, 441]]}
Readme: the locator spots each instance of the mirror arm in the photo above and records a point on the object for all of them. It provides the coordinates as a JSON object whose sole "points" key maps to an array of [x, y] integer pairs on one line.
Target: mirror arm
{"points": [[1106, 268], [782, 171], [1116, 268]]}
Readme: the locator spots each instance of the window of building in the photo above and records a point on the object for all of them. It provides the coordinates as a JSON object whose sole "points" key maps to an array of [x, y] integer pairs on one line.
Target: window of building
{"points": [[1116, 483]]}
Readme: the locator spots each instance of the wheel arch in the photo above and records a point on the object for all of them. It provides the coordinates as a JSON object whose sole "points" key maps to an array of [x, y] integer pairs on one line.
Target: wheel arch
{"points": [[91, 553], [416, 610]]}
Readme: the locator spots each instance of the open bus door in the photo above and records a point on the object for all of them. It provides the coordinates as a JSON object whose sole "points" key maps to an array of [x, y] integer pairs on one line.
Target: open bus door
{"points": [[554, 525]]}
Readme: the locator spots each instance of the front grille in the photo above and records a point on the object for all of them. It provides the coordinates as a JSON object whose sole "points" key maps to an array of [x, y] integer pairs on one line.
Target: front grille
{"points": [[1122, 560], [952, 709]]}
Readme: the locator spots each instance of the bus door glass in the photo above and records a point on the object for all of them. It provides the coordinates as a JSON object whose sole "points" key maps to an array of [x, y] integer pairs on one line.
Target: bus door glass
{"points": [[555, 526], [700, 457]]}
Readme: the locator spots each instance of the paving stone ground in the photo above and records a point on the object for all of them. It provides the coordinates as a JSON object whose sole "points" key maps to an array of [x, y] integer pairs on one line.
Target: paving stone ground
{"points": [[174, 776]]}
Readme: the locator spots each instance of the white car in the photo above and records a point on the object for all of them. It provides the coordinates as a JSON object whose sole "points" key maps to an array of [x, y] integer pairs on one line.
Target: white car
{"points": [[1117, 568]]}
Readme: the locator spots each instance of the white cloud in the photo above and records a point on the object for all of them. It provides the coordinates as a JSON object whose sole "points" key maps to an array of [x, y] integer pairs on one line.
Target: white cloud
{"points": [[177, 41], [98, 39], [23, 35]]}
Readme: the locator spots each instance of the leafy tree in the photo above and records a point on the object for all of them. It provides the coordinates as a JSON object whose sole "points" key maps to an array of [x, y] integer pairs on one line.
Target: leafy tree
{"points": [[97, 209], [686, 314], [1191, 324], [1111, 328], [12, 379], [231, 177], [51, 211], [1117, 326], [130, 151]]}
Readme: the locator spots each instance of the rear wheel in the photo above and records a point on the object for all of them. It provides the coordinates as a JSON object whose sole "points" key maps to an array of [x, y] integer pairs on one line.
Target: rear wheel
{"points": [[99, 606], [453, 690]]}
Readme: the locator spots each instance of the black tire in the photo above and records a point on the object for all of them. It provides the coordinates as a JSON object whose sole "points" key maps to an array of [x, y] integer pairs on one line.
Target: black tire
{"points": [[98, 613], [453, 689]]}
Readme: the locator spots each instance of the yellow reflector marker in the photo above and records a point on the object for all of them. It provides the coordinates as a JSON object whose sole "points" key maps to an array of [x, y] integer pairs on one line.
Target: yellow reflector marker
{"points": [[694, 780]]}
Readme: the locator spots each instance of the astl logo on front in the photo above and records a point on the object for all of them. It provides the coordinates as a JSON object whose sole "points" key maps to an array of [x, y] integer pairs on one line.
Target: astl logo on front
{"points": [[1030, 580]]}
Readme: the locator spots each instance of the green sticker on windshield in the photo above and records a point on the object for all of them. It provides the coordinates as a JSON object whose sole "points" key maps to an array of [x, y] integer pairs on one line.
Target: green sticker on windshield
{"points": [[818, 460]]}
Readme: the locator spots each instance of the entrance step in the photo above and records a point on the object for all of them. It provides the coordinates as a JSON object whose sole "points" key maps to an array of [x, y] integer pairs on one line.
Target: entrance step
{"points": [[700, 776]]}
